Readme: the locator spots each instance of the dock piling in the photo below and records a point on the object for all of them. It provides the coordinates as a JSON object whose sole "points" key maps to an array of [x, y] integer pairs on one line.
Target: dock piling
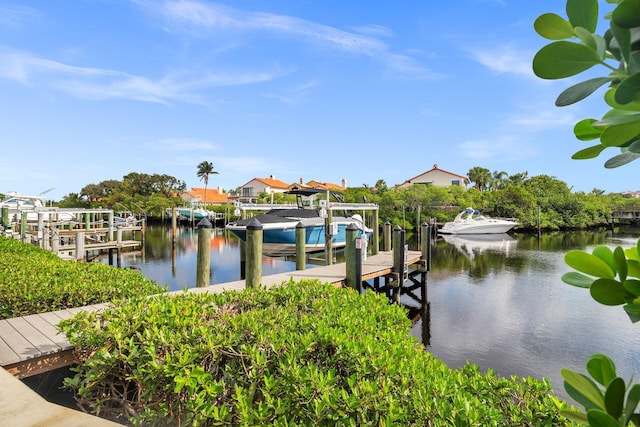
{"points": [[301, 254], [386, 236], [398, 261], [5, 217], [79, 245], [375, 236], [254, 254], [351, 278], [328, 238], [203, 266]]}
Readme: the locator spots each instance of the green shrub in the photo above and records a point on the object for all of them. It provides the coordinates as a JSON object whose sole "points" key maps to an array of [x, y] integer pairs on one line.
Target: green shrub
{"points": [[298, 354], [33, 280]]}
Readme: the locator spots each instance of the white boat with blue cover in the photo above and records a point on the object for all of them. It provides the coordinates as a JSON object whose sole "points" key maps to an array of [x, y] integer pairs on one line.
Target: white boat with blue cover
{"points": [[279, 225]]}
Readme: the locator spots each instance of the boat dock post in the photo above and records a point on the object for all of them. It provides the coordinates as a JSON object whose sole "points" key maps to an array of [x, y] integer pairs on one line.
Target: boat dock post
{"points": [[328, 243], [203, 264], [386, 236], [5, 217], [301, 253], [254, 254]]}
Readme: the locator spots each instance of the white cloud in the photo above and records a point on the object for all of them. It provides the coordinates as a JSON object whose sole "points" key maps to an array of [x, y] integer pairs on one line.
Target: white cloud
{"points": [[210, 19], [98, 83], [14, 16], [544, 119], [506, 59], [505, 148]]}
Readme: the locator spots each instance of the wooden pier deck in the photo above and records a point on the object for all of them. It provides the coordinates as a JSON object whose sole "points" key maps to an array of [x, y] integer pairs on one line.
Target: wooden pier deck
{"points": [[31, 344]]}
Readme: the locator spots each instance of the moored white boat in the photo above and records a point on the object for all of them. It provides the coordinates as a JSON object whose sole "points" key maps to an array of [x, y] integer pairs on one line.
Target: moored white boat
{"points": [[17, 203], [470, 221]]}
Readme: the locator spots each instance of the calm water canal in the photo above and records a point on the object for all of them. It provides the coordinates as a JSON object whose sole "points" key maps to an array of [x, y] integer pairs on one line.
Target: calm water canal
{"points": [[498, 304]]}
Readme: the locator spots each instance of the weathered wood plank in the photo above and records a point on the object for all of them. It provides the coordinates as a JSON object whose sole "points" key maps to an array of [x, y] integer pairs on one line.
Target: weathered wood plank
{"points": [[39, 341], [7, 355], [43, 325], [42, 364], [19, 344]]}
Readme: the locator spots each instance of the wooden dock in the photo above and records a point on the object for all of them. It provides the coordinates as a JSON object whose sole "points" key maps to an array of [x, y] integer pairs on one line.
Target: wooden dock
{"points": [[31, 344]]}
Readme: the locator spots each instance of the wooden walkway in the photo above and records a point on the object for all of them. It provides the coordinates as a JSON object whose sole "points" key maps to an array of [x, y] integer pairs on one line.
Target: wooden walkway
{"points": [[31, 344]]}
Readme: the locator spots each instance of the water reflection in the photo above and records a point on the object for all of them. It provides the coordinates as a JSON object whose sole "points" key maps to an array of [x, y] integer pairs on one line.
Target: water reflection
{"points": [[505, 308], [173, 262]]}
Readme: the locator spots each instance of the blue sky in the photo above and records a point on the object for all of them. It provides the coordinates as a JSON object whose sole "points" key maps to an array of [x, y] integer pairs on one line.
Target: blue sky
{"points": [[314, 89]]}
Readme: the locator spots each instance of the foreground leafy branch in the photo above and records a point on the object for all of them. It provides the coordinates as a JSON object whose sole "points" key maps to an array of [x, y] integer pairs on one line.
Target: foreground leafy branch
{"points": [[612, 277], [577, 48]]}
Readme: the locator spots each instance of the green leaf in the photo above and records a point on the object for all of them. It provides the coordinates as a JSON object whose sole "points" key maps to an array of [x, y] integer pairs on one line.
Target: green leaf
{"points": [[553, 27], [608, 292], [577, 279], [583, 13], [610, 96], [617, 118], [580, 91], [633, 311], [632, 254], [588, 264], [563, 59], [634, 147], [618, 135], [621, 160], [627, 14], [588, 392], [606, 255], [589, 153], [621, 42], [621, 263], [614, 397], [633, 399], [597, 418], [601, 368], [584, 130], [628, 89], [578, 417], [587, 38], [632, 286]]}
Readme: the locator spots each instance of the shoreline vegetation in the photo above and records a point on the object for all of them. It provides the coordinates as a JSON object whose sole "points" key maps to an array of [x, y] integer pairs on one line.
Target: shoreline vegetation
{"points": [[538, 202], [301, 353]]}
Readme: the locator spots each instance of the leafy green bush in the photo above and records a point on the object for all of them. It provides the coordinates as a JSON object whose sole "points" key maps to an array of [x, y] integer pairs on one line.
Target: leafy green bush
{"points": [[298, 354], [33, 280]]}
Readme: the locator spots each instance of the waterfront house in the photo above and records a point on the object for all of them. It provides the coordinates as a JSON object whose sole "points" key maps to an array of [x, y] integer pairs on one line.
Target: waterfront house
{"points": [[249, 192], [438, 177], [319, 185], [215, 196]]}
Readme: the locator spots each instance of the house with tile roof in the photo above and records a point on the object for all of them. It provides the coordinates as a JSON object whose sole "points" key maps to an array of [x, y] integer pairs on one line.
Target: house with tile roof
{"points": [[215, 196], [438, 177], [319, 185], [249, 192]]}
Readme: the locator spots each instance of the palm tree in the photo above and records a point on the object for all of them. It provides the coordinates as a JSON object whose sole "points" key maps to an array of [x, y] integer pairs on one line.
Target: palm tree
{"points": [[497, 180], [480, 176], [204, 170]]}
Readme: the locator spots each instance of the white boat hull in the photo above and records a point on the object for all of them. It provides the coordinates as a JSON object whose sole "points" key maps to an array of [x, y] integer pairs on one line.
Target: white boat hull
{"points": [[470, 222]]}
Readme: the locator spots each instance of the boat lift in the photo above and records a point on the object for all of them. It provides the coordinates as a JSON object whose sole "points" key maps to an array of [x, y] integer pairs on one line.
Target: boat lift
{"points": [[326, 208]]}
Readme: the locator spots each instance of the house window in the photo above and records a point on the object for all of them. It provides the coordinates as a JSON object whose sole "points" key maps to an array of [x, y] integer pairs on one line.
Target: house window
{"points": [[247, 191], [455, 182]]}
